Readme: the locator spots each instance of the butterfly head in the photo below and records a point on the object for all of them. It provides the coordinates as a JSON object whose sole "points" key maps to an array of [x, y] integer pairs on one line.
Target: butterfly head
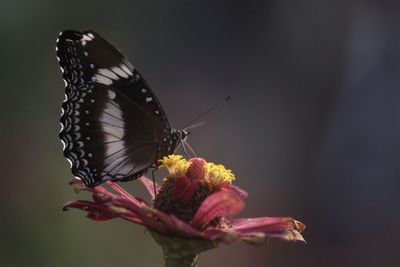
{"points": [[181, 134]]}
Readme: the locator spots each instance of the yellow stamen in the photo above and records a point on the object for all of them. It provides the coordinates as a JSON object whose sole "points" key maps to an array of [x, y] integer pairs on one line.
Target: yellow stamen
{"points": [[214, 174], [176, 165], [217, 174]]}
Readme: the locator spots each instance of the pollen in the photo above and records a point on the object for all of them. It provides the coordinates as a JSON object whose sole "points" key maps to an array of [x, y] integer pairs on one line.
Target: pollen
{"points": [[176, 165], [216, 174]]}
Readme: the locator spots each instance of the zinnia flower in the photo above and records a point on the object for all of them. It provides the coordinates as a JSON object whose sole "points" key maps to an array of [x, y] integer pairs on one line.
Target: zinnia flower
{"points": [[190, 212]]}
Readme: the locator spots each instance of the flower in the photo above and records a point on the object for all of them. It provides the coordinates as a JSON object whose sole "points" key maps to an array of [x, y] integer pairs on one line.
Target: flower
{"points": [[190, 212]]}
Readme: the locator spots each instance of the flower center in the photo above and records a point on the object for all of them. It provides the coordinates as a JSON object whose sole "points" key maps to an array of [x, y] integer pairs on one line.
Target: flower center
{"points": [[183, 206], [188, 185]]}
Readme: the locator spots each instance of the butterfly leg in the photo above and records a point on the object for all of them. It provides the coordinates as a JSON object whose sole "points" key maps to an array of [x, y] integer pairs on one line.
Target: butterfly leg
{"points": [[184, 149], [190, 148], [154, 182]]}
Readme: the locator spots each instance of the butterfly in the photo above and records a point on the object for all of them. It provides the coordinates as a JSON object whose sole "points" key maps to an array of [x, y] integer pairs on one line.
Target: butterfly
{"points": [[112, 125]]}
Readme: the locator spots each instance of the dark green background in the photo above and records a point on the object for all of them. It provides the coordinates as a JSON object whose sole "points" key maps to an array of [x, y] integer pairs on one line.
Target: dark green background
{"points": [[312, 130]]}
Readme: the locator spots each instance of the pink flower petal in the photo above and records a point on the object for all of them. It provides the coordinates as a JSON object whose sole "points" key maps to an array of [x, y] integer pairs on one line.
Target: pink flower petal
{"points": [[196, 169], [180, 185], [142, 212], [255, 239], [174, 225], [122, 192], [181, 228], [278, 227], [184, 188], [100, 211], [149, 186], [132, 219], [97, 212], [240, 192], [222, 235], [101, 198], [260, 223], [223, 203], [189, 191]]}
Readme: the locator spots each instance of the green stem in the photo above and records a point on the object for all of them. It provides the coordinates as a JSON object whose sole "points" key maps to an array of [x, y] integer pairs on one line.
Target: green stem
{"points": [[180, 251], [183, 261]]}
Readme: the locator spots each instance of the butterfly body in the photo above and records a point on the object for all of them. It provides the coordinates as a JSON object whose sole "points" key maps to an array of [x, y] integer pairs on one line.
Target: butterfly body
{"points": [[113, 126]]}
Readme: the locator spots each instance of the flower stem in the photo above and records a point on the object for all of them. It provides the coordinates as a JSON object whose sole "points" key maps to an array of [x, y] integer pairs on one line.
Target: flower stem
{"points": [[186, 261], [180, 251]]}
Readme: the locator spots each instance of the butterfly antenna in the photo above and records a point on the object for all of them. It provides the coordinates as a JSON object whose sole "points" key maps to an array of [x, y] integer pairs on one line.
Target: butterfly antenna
{"points": [[189, 125], [201, 123]]}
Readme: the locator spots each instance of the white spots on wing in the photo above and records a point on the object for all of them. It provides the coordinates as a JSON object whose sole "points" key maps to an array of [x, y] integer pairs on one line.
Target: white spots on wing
{"points": [[113, 129], [101, 79], [87, 124], [86, 38], [58, 58], [111, 94], [157, 111], [111, 122], [114, 148], [120, 162], [92, 100], [85, 162], [91, 66], [70, 162], [149, 99], [65, 98], [65, 83], [120, 72], [126, 69], [144, 90], [108, 74], [64, 145], [62, 70], [85, 53]]}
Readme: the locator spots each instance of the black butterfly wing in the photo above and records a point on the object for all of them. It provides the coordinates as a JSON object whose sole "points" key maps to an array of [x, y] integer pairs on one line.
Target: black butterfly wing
{"points": [[113, 126]]}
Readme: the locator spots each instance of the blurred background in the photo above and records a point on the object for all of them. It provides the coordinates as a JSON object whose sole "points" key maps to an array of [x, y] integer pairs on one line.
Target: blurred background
{"points": [[312, 130]]}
